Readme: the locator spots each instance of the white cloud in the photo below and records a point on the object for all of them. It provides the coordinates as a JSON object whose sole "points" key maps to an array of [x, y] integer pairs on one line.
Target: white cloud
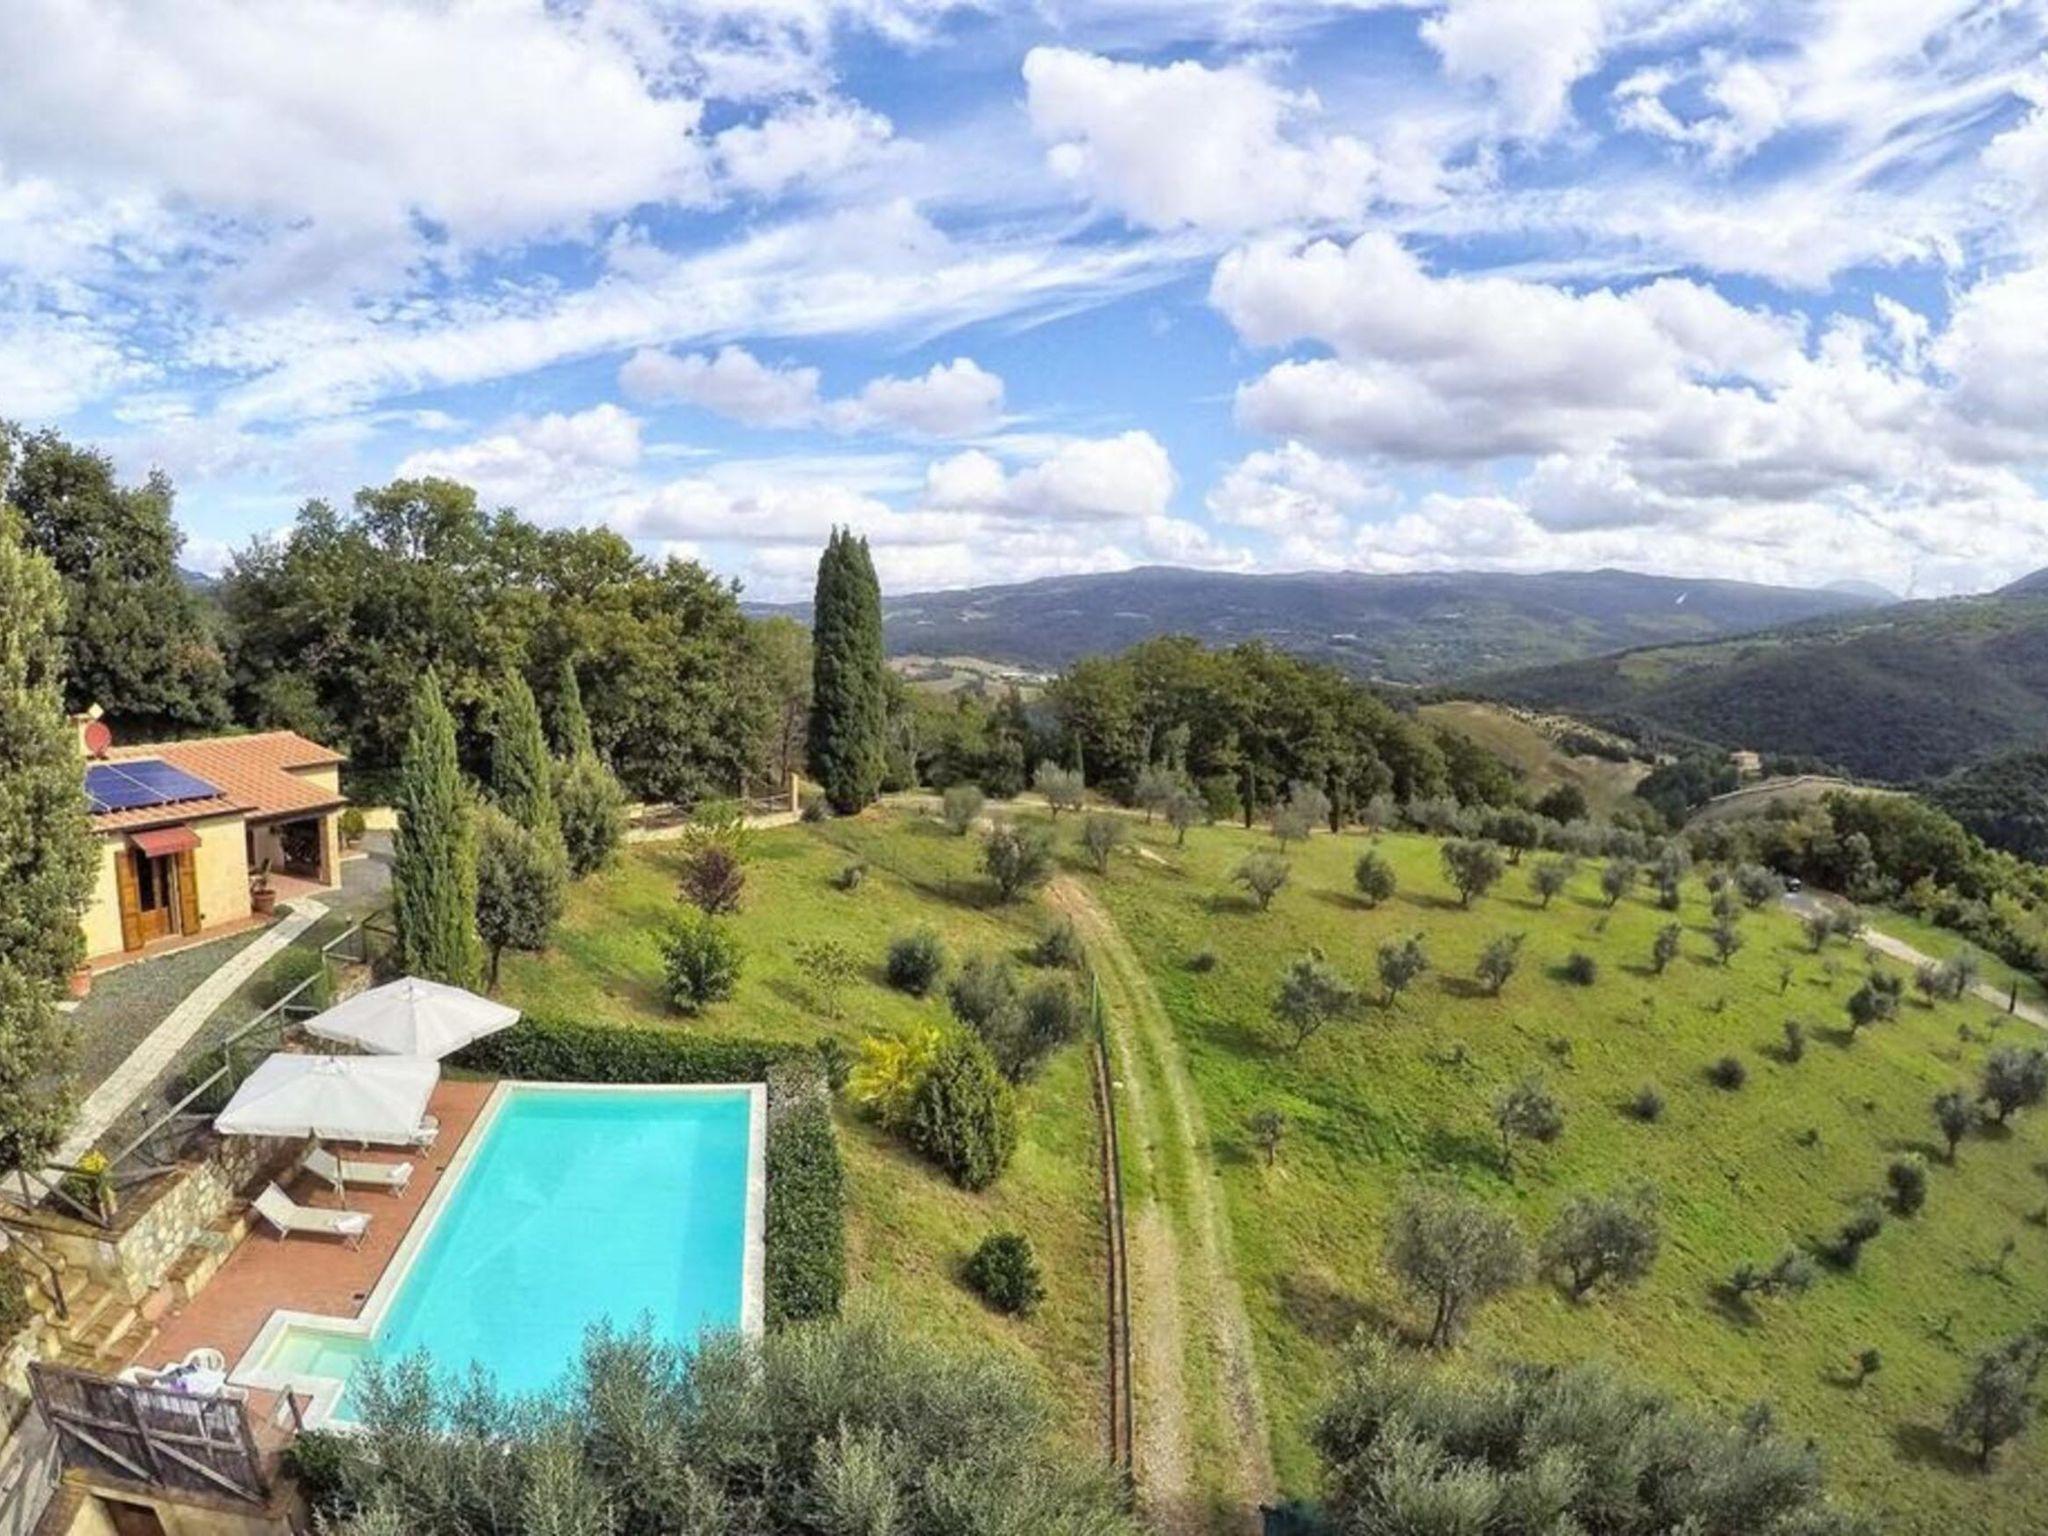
{"points": [[52, 364], [948, 400], [550, 466], [1531, 51], [1107, 479], [1295, 492], [1462, 368], [494, 122], [734, 384], [952, 399], [1186, 145], [810, 142]]}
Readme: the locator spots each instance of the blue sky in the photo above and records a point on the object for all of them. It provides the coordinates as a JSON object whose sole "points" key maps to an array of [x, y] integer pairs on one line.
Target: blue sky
{"points": [[1716, 287]]}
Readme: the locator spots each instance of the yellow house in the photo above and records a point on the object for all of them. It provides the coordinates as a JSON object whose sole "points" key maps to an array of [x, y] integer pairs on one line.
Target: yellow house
{"points": [[189, 829]]}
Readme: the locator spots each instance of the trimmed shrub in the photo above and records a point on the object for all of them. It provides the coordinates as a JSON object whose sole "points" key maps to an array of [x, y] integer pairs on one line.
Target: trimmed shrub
{"points": [[1648, 1104], [713, 878], [1202, 961], [1373, 878], [1061, 948], [1907, 1178], [700, 964], [916, 961], [1004, 1273], [961, 807], [963, 1115], [1581, 969], [849, 878], [351, 824], [1846, 1246], [1728, 1072], [295, 968], [558, 1050], [805, 1225]]}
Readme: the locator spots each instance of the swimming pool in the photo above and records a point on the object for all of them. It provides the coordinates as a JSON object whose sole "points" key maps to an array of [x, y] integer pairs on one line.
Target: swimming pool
{"points": [[566, 1205]]}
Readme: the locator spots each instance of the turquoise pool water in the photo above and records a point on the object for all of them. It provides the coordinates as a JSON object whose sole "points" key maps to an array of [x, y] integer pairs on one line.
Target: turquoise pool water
{"points": [[578, 1207]]}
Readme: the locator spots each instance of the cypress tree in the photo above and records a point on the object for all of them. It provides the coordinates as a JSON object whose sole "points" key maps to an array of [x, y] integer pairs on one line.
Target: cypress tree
{"points": [[48, 853], [848, 709], [522, 777], [433, 873], [570, 722]]}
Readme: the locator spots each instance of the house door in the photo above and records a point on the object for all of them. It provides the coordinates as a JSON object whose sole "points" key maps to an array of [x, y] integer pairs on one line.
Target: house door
{"points": [[156, 895]]}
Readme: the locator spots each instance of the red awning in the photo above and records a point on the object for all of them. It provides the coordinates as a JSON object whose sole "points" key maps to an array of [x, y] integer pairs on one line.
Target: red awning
{"points": [[160, 841]]}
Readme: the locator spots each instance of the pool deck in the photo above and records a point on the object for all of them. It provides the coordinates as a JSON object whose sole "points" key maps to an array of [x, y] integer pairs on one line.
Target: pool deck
{"points": [[314, 1274]]}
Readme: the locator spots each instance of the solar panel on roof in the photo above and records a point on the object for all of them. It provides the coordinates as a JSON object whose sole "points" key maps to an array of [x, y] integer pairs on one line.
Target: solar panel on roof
{"points": [[174, 784], [138, 785]]}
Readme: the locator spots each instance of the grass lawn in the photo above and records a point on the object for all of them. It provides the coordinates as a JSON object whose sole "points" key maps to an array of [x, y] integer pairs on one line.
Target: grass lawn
{"points": [[909, 1228], [1742, 1174], [1522, 744], [1939, 942]]}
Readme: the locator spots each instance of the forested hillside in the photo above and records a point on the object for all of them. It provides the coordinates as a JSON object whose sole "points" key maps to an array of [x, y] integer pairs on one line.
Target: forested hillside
{"points": [[1898, 694], [1412, 628]]}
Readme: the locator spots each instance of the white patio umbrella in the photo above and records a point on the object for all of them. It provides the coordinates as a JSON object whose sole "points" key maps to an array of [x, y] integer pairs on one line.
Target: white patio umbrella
{"points": [[411, 1017], [333, 1098]]}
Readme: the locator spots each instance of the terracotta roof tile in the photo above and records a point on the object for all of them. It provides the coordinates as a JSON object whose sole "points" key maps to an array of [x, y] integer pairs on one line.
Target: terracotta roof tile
{"points": [[251, 772]]}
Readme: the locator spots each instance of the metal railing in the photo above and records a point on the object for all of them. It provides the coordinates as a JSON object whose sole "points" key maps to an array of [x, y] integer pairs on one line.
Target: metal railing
{"points": [[90, 1192]]}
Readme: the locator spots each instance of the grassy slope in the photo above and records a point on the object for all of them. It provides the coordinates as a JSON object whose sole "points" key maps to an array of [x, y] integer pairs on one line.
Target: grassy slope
{"points": [[909, 1228], [1517, 741], [1374, 1102]]}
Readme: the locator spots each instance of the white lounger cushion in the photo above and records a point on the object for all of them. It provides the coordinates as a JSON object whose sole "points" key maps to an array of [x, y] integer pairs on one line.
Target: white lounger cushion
{"points": [[338, 1171], [287, 1215]]}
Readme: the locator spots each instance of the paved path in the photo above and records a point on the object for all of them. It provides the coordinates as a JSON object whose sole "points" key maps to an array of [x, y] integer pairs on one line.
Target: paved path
{"points": [[1805, 902], [1204, 1458], [129, 1081]]}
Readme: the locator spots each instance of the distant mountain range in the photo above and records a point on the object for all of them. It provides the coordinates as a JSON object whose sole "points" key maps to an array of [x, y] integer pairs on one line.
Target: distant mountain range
{"points": [[1424, 628], [1900, 693]]}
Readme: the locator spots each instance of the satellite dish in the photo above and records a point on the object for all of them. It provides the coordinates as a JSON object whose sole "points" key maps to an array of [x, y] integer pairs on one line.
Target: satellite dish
{"points": [[97, 738]]}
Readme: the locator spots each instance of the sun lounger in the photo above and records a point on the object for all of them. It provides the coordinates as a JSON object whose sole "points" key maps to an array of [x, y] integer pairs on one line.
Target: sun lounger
{"points": [[337, 1171], [428, 1133], [288, 1216]]}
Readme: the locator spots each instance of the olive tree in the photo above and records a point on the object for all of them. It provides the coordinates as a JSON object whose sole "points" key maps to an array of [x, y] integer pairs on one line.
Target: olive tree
{"points": [[1263, 875], [1472, 866], [1018, 858], [1101, 835], [1954, 1113], [1605, 1239], [1312, 993], [1618, 878], [1399, 964], [961, 808], [1525, 1111], [1498, 962], [1453, 1253], [1997, 1401], [1549, 877], [1664, 948], [2013, 1079], [1373, 878], [1061, 787]]}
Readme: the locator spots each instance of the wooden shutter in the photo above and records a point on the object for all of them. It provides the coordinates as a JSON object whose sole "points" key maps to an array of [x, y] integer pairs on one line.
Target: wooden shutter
{"points": [[131, 904], [190, 918]]}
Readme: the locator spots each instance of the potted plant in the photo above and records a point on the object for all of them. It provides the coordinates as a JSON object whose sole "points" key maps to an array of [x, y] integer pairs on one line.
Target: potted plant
{"points": [[352, 825], [81, 983], [262, 895]]}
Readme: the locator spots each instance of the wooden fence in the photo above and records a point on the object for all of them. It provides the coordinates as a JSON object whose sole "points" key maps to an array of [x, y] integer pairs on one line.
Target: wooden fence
{"points": [[140, 1434]]}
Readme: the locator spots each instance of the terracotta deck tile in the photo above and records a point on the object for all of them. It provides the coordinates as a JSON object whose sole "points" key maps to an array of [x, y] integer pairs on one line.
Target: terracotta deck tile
{"points": [[313, 1274]]}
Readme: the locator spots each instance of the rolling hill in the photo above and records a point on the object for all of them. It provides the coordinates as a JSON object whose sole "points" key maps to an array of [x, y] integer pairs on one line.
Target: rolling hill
{"points": [[1897, 693], [1422, 628]]}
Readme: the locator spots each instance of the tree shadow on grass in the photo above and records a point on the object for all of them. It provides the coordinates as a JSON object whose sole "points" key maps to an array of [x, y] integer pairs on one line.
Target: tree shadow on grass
{"points": [[1462, 986], [1343, 901], [1927, 1446], [1229, 904], [1732, 1306], [1330, 1314], [1446, 1147]]}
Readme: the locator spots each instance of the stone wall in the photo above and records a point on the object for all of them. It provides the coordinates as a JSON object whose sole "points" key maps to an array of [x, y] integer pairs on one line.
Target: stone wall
{"points": [[161, 1219]]}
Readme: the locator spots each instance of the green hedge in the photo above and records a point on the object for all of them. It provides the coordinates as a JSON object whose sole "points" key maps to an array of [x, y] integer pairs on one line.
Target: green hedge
{"points": [[805, 1239]]}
